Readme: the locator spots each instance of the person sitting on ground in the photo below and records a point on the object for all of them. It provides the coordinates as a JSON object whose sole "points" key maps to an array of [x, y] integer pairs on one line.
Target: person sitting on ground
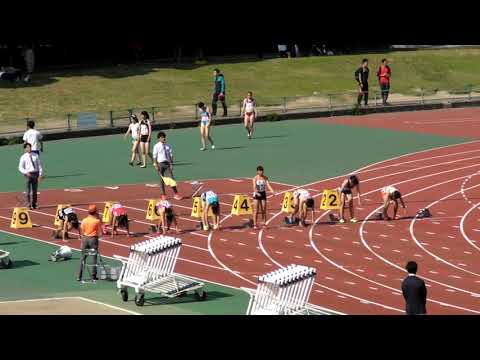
{"points": [[210, 201], [118, 219], [167, 216], [390, 195], [302, 201], [68, 221]]}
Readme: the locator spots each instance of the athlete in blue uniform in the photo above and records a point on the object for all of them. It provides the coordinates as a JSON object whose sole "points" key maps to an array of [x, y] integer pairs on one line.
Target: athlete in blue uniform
{"points": [[205, 122], [210, 200]]}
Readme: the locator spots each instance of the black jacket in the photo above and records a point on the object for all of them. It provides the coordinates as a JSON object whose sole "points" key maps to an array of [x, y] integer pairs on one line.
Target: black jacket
{"points": [[415, 294], [362, 76]]}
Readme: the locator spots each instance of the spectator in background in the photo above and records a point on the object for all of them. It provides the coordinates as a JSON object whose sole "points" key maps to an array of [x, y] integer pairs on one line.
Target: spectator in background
{"points": [[361, 75], [282, 50], [33, 137], [219, 92], [414, 291], [384, 73], [29, 57]]}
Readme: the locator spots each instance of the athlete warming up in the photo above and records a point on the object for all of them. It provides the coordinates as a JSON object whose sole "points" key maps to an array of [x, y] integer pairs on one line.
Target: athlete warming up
{"points": [[302, 201], [205, 123], [118, 219], [260, 184], [68, 221], [390, 195], [249, 112], [134, 130], [167, 216], [210, 201], [346, 197]]}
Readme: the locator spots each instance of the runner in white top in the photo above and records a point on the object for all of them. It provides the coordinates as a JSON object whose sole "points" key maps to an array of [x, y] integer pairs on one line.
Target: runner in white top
{"points": [[249, 110], [390, 194], [134, 130], [302, 201], [145, 137], [33, 137], [205, 125]]}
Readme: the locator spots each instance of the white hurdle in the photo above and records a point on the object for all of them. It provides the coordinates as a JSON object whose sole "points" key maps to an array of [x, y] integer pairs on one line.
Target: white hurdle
{"points": [[282, 292]]}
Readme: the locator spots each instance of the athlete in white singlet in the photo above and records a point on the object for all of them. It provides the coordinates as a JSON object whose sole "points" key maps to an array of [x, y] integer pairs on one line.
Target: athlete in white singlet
{"points": [[249, 111]]}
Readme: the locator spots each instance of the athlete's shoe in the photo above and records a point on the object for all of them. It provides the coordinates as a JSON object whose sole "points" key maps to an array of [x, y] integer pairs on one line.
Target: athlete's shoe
{"points": [[177, 197], [202, 149], [341, 221], [215, 227], [213, 147], [353, 220], [130, 163]]}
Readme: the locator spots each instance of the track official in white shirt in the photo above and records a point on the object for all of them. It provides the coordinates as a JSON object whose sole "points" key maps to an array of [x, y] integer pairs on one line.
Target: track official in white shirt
{"points": [[33, 137], [163, 161], [31, 167]]}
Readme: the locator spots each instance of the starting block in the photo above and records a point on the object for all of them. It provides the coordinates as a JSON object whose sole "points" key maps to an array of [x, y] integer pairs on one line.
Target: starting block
{"points": [[242, 205], [295, 221], [152, 212], [57, 221], [169, 181], [424, 213], [197, 208], [20, 219], [287, 205], [330, 200], [107, 215]]}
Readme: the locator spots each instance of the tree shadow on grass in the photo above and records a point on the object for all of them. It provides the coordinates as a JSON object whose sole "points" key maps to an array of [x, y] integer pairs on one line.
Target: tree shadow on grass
{"points": [[23, 263], [189, 298], [269, 137], [64, 176]]}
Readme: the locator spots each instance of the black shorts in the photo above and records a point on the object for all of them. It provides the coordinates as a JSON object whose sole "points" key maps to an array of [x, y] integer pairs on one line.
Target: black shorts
{"points": [[169, 214], [144, 138], [260, 195], [346, 191], [122, 220], [310, 203]]}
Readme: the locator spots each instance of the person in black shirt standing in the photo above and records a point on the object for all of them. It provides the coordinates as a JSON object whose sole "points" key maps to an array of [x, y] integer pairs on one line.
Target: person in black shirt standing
{"points": [[219, 92], [414, 291], [361, 75]]}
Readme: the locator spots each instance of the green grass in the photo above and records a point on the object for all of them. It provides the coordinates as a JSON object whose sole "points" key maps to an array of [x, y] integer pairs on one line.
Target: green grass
{"points": [[117, 88]]}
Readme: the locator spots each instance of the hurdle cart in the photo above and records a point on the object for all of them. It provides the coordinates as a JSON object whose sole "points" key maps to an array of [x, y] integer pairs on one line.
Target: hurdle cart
{"points": [[149, 268], [284, 292], [5, 260]]}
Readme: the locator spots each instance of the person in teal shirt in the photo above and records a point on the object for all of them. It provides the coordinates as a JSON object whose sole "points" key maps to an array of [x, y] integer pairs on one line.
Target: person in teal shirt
{"points": [[219, 92]]}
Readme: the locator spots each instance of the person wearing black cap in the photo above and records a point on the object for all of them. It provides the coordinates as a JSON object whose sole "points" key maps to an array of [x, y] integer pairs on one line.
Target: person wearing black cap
{"points": [[414, 291], [219, 92]]}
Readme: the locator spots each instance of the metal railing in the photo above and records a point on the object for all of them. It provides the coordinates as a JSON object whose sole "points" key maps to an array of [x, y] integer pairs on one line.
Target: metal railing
{"points": [[265, 106]]}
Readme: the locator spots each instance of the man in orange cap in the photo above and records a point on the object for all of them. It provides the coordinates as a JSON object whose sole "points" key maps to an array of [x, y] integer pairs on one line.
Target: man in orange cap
{"points": [[91, 230]]}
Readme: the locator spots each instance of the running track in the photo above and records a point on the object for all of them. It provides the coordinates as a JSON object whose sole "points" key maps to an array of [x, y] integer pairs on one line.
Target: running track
{"points": [[359, 266]]}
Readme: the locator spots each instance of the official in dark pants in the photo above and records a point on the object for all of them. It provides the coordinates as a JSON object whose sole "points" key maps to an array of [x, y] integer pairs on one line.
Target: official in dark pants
{"points": [[414, 291], [91, 230], [219, 93], [31, 167], [163, 162], [361, 75]]}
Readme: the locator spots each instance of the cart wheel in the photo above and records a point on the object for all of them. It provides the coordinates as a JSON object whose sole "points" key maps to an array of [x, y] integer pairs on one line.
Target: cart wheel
{"points": [[201, 297], [140, 300], [124, 294]]}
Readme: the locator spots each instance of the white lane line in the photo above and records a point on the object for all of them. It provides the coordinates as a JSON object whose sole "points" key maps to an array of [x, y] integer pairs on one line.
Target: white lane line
{"points": [[318, 261], [328, 278], [360, 270], [224, 240], [249, 260], [433, 272], [356, 243], [397, 251], [455, 276], [376, 246], [348, 254], [382, 275], [270, 237], [467, 252], [350, 283], [241, 244], [445, 248], [405, 240], [451, 237], [327, 249], [373, 288], [383, 235], [368, 258], [336, 238], [229, 255], [430, 233], [297, 257], [289, 241], [279, 252], [268, 264]]}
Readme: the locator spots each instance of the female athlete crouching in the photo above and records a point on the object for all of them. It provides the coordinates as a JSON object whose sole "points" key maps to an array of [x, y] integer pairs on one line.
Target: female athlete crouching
{"points": [[167, 216], [69, 220], [118, 219], [210, 201], [302, 201], [390, 195]]}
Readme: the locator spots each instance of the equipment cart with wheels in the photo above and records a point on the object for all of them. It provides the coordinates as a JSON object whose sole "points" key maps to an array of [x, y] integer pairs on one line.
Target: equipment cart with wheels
{"points": [[149, 268], [5, 260], [284, 292]]}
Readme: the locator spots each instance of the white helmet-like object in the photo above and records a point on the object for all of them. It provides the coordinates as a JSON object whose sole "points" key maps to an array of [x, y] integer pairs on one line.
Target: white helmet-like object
{"points": [[64, 252]]}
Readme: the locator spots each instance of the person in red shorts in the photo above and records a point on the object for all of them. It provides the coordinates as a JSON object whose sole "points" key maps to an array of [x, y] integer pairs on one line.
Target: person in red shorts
{"points": [[384, 73]]}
